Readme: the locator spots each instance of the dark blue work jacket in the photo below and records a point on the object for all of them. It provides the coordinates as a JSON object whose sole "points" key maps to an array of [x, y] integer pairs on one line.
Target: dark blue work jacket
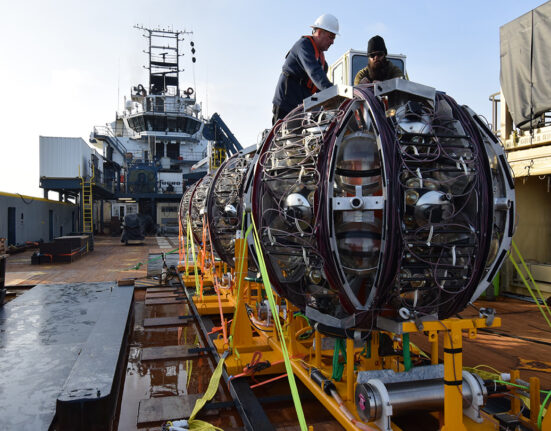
{"points": [[300, 66]]}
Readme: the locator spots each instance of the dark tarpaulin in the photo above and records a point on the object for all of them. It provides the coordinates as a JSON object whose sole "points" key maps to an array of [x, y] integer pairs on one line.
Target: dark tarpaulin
{"points": [[526, 64]]}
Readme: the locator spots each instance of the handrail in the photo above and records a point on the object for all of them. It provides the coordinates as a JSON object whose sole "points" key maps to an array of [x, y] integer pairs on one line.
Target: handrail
{"points": [[108, 133], [167, 104]]}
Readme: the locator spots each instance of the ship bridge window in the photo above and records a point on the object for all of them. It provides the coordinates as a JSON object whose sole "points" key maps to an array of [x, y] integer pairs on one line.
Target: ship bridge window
{"points": [[171, 124], [137, 123], [173, 151], [189, 125], [160, 124], [153, 123]]}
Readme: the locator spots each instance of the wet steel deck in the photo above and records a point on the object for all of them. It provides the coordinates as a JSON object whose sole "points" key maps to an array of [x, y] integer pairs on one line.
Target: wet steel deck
{"points": [[523, 341], [110, 261]]}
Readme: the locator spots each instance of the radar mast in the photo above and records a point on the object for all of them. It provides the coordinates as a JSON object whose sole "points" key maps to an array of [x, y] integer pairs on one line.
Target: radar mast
{"points": [[164, 59]]}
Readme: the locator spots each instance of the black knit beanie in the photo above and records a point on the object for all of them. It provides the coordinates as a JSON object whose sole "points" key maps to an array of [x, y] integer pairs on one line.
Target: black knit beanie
{"points": [[376, 44]]}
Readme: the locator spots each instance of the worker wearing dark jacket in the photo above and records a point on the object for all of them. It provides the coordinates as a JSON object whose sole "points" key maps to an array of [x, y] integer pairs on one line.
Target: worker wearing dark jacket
{"points": [[379, 68], [305, 70]]}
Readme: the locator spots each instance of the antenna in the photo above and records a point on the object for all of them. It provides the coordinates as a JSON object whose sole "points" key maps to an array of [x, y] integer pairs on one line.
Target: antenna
{"points": [[119, 86], [207, 94]]}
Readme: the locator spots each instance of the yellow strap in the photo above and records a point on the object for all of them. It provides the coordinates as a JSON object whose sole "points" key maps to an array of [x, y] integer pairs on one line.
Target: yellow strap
{"points": [[531, 278], [527, 285], [211, 391], [189, 367], [416, 349], [275, 313], [198, 425]]}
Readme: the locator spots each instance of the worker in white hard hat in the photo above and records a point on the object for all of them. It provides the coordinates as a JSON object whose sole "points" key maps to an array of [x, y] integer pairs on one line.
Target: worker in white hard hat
{"points": [[304, 71]]}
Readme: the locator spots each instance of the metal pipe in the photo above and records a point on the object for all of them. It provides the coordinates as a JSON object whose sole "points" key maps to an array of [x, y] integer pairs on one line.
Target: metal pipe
{"points": [[404, 397]]}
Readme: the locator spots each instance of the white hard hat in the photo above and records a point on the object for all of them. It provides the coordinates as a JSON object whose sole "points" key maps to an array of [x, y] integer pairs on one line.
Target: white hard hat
{"points": [[327, 22]]}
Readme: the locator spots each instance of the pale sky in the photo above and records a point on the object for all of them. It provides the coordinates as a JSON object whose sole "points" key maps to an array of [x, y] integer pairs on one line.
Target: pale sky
{"points": [[67, 65]]}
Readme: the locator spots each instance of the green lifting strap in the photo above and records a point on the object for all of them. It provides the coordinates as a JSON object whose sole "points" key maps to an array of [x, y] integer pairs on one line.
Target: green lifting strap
{"points": [[533, 283], [542, 409], [406, 351], [338, 366], [275, 313]]}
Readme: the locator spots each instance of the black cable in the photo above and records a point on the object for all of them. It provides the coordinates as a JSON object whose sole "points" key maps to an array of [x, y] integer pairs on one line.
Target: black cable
{"points": [[23, 199]]}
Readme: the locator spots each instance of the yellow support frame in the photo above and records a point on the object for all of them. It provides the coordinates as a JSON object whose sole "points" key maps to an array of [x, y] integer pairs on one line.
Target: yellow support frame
{"points": [[208, 304], [246, 340]]}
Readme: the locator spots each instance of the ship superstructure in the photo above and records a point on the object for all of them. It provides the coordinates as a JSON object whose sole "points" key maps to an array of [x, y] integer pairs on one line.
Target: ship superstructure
{"points": [[154, 147], [153, 144]]}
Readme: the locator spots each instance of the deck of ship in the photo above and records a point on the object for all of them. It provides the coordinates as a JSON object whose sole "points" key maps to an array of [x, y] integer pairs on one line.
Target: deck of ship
{"points": [[522, 342]]}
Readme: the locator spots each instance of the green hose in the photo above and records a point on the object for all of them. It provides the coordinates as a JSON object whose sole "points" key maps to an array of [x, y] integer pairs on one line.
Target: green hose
{"points": [[406, 351]]}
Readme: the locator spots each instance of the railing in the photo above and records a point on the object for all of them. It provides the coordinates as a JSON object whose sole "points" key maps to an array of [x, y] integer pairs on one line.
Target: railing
{"points": [[123, 132], [192, 157], [169, 189], [159, 187], [169, 104], [104, 132], [134, 158], [109, 185]]}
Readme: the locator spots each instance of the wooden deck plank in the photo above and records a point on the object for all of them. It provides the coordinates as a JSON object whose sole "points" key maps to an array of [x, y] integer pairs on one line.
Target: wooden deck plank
{"points": [[146, 283], [164, 301], [166, 408], [157, 295], [161, 289], [167, 352], [153, 322]]}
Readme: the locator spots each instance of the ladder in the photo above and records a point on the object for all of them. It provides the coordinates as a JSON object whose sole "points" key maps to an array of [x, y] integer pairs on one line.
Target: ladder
{"points": [[217, 157], [86, 204]]}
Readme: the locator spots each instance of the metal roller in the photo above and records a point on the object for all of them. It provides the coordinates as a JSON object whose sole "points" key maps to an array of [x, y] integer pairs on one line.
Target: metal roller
{"points": [[376, 400]]}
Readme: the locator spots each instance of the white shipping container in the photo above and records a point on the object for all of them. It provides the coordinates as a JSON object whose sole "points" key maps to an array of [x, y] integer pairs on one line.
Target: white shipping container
{"points": [[62, 157]]}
